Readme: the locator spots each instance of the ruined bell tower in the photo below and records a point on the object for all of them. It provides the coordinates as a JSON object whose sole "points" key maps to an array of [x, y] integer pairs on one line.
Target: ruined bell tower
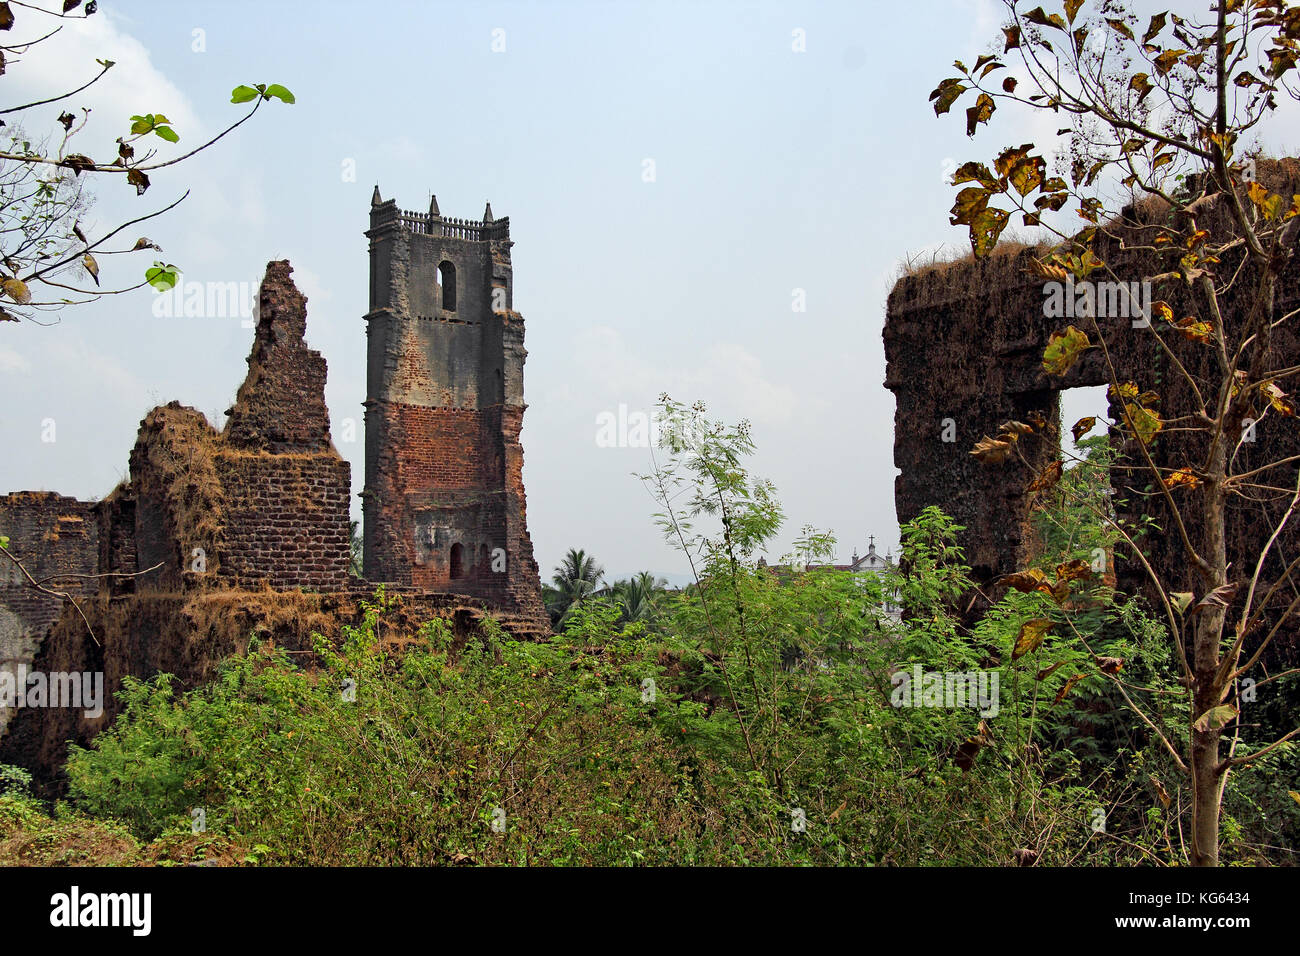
{"points": [[444, 495]]}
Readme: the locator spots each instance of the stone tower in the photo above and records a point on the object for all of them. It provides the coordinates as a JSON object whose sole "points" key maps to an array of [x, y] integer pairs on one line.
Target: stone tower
{"points": [[444, 495]]}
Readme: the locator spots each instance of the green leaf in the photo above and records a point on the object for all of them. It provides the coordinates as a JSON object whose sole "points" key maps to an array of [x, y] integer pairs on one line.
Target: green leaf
{"points": [[1083, 266], [1141, 84], [969, 204], [1165, 61], [17, 290], [1119, 26], [974, 172], [276, 91], [986, 228], [1215, 717], [167, 133], [1269, 205], [243, 94], [1042, 19], [162, 277], [1063, 350], [1031, 636], [979, 113], [1025, 172], [1181, 600], [1146, 423], [946, 93]]}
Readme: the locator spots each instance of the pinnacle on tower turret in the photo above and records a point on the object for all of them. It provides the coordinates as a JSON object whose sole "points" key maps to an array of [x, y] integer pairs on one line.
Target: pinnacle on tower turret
{"points": [[487, 213], [375, 199], [433, 206]]}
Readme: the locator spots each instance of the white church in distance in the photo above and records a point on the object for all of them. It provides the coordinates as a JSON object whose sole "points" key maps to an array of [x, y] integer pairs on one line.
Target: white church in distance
{"points": [[873, 563], [869, 563]]}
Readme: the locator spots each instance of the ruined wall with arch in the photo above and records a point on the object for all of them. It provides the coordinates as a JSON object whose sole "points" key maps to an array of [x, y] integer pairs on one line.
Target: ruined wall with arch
{"points": [[964, 344]]}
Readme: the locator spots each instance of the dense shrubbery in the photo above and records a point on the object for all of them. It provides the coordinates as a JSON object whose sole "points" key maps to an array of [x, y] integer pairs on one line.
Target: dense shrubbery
{"points": [[694, 739], [562, 737]]}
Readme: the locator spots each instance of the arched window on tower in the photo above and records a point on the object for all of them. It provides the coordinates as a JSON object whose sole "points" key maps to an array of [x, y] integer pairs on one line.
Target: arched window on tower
{"points": [[447, 279], [457, 561]]}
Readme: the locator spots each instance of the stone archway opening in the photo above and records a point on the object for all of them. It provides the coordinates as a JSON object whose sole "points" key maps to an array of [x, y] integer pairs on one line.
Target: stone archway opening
{"points": [[1077, 405]]}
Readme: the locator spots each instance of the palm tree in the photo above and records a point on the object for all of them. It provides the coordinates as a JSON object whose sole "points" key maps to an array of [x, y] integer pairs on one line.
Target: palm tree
{"points": [[639, 596], [576, 578]]}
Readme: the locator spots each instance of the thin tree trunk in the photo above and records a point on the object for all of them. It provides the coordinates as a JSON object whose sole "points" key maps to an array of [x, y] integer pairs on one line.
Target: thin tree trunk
{"points": [[1207, 691]]}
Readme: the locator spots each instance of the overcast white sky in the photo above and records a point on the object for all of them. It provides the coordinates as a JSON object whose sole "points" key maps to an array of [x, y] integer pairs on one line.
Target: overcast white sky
{"points": [[775, 170]]}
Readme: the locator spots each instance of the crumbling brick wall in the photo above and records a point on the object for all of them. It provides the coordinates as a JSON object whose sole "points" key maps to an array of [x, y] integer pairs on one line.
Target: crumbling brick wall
{"points": [[173, 507], [287, 489], [286, 520], [280, 407], [964, 342], [57, 540], [118, 558], [444, 499], [265, 502]]}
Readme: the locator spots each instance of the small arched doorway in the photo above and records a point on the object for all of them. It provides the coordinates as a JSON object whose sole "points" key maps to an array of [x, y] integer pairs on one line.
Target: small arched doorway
{"points": [[456, 562]]}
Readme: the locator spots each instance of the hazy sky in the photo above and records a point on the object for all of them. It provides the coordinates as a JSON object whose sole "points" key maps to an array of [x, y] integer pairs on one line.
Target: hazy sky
{"points": [[775, 170]]}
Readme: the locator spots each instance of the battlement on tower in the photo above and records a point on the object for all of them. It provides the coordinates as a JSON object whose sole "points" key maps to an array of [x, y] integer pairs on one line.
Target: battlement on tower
{"points": [[426, 224]]}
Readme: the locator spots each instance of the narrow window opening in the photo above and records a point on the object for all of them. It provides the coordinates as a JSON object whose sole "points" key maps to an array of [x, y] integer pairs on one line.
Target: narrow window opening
{"points": [[1077, 406], [447, 279], [1076, 516]]}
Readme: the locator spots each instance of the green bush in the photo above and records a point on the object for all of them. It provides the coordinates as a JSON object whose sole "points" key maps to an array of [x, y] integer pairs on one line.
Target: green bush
{"points": [[757, 724]]}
